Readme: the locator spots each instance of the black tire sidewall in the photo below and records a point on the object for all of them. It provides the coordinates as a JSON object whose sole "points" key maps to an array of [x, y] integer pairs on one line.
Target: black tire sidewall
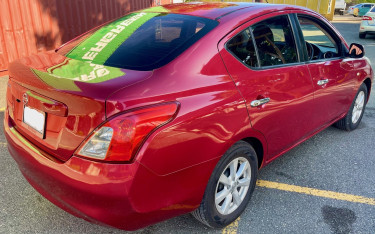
{"points": [[213, 217]]}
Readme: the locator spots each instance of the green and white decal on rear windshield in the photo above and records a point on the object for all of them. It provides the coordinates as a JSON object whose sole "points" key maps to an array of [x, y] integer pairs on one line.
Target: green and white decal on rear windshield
{"points": [[103, 43], [84, 62], [141, 41], [63, 75]]}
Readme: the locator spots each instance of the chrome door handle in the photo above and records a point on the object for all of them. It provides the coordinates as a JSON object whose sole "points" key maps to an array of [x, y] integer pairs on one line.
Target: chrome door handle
{"points": [[259, 102], [322, 82]]}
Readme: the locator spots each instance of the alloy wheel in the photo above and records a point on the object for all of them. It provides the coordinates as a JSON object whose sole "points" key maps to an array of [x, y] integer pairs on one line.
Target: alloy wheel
{"points": [[232, 186], [358, 107]]}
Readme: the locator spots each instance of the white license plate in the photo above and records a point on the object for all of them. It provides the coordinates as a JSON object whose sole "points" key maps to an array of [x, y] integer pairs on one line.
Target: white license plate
{"points": [[34, 118]]}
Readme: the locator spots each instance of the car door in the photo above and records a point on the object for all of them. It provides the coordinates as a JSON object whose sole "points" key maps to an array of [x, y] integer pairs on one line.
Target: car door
{"points": [[264, 62], [331, 73]]}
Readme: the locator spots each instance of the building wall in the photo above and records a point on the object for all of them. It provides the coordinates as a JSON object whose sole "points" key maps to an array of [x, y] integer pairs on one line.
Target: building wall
{"points": [[32, 26]]}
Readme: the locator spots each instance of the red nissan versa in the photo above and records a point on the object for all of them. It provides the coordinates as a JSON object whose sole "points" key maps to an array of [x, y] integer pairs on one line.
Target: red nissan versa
{"points": [[174, 109]]}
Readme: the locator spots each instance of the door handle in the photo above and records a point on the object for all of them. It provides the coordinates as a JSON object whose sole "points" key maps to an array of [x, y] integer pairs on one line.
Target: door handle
{"points": [[259, 102], [322, 82]]}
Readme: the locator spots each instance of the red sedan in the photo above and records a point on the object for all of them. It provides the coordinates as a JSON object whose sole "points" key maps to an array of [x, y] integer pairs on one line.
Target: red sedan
{"points": [[174, 109]]}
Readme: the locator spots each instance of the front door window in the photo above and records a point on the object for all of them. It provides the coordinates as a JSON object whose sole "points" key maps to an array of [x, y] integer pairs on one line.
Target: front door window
{"points": [[319, 43]]}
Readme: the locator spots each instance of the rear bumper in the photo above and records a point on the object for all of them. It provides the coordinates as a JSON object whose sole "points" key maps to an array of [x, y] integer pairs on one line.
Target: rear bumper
{"points": [[98, 192], [365, 27]]}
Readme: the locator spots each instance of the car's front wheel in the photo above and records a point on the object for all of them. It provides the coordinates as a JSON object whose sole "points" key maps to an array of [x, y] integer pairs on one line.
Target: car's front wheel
{"points": [[230, 187], [355, 113]]}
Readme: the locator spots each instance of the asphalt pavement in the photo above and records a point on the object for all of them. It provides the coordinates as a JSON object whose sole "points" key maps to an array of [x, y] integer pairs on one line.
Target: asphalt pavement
{"points": [[332, 161]]}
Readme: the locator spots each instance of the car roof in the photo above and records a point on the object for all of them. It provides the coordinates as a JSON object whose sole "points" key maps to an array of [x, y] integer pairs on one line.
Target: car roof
{"points": [[219, 10]]}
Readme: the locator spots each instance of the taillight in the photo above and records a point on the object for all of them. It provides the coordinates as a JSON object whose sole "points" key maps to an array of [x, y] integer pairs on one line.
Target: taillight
{"points": [[120, 137], [365, 17]]}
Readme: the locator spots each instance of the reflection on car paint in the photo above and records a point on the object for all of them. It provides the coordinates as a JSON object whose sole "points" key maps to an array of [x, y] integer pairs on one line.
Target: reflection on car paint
{"points": [[189, 7], [73, 70]]}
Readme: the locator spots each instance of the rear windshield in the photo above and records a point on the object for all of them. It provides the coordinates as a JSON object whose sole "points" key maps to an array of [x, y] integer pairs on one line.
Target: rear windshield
{"points": [[139, 41]]}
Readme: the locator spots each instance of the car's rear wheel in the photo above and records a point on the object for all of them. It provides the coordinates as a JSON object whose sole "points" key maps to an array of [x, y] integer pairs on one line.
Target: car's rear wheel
{"points": [[230, 187], [362, 35], [355, 113]]}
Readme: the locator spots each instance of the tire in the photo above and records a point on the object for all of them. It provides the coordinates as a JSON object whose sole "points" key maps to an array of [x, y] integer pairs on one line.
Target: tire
{"points": [[213, 214], [354, 116], [362, 35]]}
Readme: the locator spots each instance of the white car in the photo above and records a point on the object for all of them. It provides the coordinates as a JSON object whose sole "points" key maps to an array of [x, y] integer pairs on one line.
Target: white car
{"points": [[367, 23]]}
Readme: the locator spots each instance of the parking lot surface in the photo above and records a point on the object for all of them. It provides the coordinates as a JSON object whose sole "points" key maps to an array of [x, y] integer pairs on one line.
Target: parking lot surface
{"points": [[324, 185]]}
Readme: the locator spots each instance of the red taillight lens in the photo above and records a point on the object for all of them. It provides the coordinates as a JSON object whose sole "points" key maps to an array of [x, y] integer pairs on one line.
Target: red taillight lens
{"points": [[120, 138], [366, 18]]}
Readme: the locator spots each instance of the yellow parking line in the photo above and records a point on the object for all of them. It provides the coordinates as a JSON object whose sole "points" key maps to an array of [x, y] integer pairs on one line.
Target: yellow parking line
{"points": [[2, 109], [232, 228], [3, 144], [316, 192]]}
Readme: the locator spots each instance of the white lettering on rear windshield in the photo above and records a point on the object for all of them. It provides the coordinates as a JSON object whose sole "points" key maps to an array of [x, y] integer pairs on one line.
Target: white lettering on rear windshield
{"points": [[107, 38]]}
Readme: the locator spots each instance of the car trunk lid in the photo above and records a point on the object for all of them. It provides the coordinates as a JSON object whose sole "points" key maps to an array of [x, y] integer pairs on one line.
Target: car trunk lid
{"points": [[68, 95]]}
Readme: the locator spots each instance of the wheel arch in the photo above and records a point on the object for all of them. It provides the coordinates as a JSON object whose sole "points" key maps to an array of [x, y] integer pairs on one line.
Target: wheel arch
{"points": [[367, 82], [258, 147]]}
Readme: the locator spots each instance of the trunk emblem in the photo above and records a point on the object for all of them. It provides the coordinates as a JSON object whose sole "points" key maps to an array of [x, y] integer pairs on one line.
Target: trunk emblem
{"points": [[25, 98]]}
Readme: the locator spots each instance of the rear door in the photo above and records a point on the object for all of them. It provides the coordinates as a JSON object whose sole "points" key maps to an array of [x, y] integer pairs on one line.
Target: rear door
{"points": [[264, 62], [331, 72]]}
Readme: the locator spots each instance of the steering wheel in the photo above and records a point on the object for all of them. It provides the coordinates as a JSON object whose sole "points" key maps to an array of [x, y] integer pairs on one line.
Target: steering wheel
{"points": [[328, 54], [311, 49]]}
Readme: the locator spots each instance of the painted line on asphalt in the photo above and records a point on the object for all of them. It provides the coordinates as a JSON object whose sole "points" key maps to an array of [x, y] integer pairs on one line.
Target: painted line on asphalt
{"points": [[232, 228], [3, 144], [2, 109], [316, 192]]}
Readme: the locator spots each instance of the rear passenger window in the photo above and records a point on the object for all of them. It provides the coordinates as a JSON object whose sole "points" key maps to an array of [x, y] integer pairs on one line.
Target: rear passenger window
{"points": [[242, 47]]}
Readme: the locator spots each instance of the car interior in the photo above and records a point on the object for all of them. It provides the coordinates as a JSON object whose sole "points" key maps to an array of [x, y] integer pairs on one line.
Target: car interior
{"points": [[275, 44], [319, 42]]}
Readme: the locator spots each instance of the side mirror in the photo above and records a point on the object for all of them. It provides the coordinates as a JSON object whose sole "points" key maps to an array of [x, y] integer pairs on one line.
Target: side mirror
{"points": [[356, 51]]}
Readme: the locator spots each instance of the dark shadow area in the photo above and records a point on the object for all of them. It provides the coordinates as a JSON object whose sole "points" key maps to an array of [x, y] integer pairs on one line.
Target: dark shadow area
{"points": [[340, 220], [75, 17]]}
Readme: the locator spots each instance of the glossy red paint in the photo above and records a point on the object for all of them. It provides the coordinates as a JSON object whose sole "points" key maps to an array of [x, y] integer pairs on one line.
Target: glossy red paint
{"points": [[169, 173]]}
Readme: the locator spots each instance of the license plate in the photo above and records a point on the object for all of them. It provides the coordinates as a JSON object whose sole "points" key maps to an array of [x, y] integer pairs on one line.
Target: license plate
{"points": [[35, 119]]}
